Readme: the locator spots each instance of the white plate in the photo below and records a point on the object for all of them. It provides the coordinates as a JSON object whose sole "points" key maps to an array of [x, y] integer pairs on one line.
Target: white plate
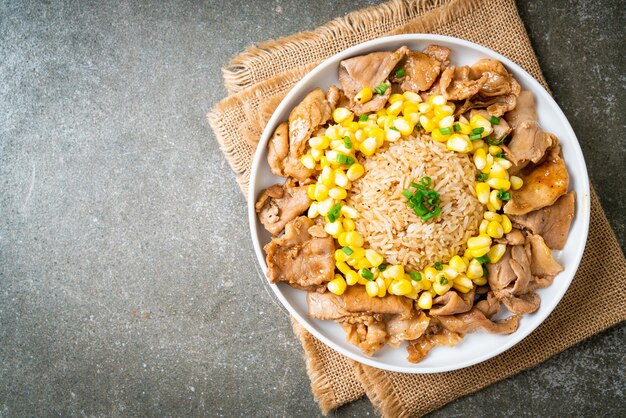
{"points": [[474, 348]]}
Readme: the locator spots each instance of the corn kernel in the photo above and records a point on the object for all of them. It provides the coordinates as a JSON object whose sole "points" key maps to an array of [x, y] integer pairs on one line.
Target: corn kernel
{"points": [[412, 96], [425, 300], [478, 121], [478, 144], [428, 124], [478, 242], [368, 147], [430, 273], [342, 238], [355, 171], [482, 192], [459, 143], [496, 252], [395, 108], [363, 264], [492, 216], [317, 154], [494, 150], [313, 212], [494, 201], [357, 253], [495, 230], [319, 142], [364, 96], [392, 135], [424, 107], [327, 177], [478, 252], [449, 272], [438, 136], [504, 163], [340, 256], [498, 183], [341, 179], [338, 193], [333, 228], [394, 272], [446, 122], [474, 270], [373, 257], [516, 182], [506, 224], [444, 111], [341, 114], [343, 267], [410, 109], [425, 284], [403, 126], [352, 278], [482, 228], [325, 205], [480, 159], [457, 264], [308, 161], [464, 282], [354, 239], [321, 192], [401, 287], [349, 212], [441, 289], [481, 281], [437, 100], [497, 171], [310, 191], [372, 289], [337, 285], [348, 225], [382, 289]]}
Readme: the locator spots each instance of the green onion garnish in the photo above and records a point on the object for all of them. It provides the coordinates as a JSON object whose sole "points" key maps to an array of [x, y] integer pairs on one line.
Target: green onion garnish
{"points": [[382, 267], [438, 265], [456, 127], [482, 176], [492, 141], [426, 181], [485, 271], [345, 159], [484, 259], [347, 142], [381, 88], [424, 201], [416, 276], [367, 274], [478, 130], [347, 250], [443, 280], [500, 155], [445, 131], [333, 213], [400, 73], [494, 120], [474, 137], [502, 195], [394, 128], [363, 118]]}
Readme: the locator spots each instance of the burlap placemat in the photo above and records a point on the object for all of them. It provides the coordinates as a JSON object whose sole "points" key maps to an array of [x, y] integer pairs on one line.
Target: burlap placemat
{"points": [[257, 80]]}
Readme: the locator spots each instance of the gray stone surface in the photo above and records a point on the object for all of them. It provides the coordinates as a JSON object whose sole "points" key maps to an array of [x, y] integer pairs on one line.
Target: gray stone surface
{"points": [[128, 285]]}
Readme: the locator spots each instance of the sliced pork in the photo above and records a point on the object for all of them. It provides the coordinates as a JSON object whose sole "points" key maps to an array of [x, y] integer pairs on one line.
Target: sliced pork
{"points": [[440, 53], [369, 336], [406, 329], [475, 320], [280, 160], [434, 336], [325, 306], [421, 71], [455, 83], [542, 262], [280, 204], [451, 303], [522, 304], [356, 299], [305, 118]]}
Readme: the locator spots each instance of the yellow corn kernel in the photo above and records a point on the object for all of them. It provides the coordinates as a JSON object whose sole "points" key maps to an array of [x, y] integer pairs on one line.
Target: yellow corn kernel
{"points": [[394, 272], [482, 228], [449, 272], [425, 300], [430, 273], [478, 144], [495, 230], [478, 252], [437, 100], [323, 162], [333, 228], [466, 254], [342, 237], [349, 212], [342, 267], [496, 252], [497, 171], [438, 136], [313, 212], [425, 284], [395, 108], [325, 205], [441, 288], [308, 161], [459, 143], [340, 256], [348, 225], [494, 150], [363, 264], [496, 204], [444, 111], [337, 285], [498, 184], [474, 270], [412, 118], [516, 182], [504, 163], [478, 121], [392, 135], [355, 171], [364, 96], [372, 289], [492, 216], [352, 278], [310, 191], [341, 114], [382, 289], [332, 132], [338, 193], [466, 129], [368, 147], [317, 154], [373, 257], [319, 142], [482, 192], [478, 242], [354, 239], [337, 143], [480, 159], [429, 125], [412, 96], [403, 126], [463, 282], [400, 287], [358, 253], [395, 98], [351, 126], [446, 121], [507, 226], [321, 192], [492, 207], [457, 264], [481, 281], [424, 107], [341, 179]]}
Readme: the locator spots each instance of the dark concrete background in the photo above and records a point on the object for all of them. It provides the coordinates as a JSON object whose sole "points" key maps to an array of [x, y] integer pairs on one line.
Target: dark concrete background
{"points": [[128, 285]]}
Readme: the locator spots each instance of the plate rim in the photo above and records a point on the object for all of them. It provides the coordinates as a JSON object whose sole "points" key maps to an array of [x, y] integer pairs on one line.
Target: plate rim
{"points": [[382, 42]]}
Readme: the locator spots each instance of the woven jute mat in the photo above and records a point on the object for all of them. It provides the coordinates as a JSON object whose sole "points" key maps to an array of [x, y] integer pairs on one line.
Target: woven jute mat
{"points": [[259, 78]]}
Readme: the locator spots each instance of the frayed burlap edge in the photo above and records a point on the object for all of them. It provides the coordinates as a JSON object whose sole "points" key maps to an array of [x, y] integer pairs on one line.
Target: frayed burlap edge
{"points": [[240, 72]]}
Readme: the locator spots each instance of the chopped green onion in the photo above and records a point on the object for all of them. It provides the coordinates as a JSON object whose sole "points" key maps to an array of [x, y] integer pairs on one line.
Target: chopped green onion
{"points": [[474, 137], [416, 276], [485, 271], [456, 126], [367, 274], [482, 176], [492, 141], [381, 88], [394, 128], [406, 193], [363, 118], [502, 195], [426, 181], [423, 201], [347, 142], [400, 73], [500, 155], [382, 267], [478, 130], [333, 213], [445, 131], [438, 265], [345, 159], [494, 120], [347, 250], [443, 280], [483, 259]]}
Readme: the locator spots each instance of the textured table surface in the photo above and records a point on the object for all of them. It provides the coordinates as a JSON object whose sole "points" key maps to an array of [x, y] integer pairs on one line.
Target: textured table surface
{"points": [[128, 285]]}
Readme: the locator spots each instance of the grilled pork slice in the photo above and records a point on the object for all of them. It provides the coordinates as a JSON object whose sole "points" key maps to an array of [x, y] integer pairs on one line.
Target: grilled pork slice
{"points": [[306, 118], [357, 300], [542, 263], [280, 204], [435, 335], [406, 329], [475, 320], [280, 160]]}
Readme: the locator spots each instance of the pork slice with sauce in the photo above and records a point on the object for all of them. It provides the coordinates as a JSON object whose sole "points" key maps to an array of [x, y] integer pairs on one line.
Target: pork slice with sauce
{"points": [[357, 300], [280, 160], [455, 83], [325, 306], [475, 321], [369, 336], [298, 258], [451, 303], [542, 263], [305, 118], [421, 71], [405, 329], [434, 336], [280, 204]]}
